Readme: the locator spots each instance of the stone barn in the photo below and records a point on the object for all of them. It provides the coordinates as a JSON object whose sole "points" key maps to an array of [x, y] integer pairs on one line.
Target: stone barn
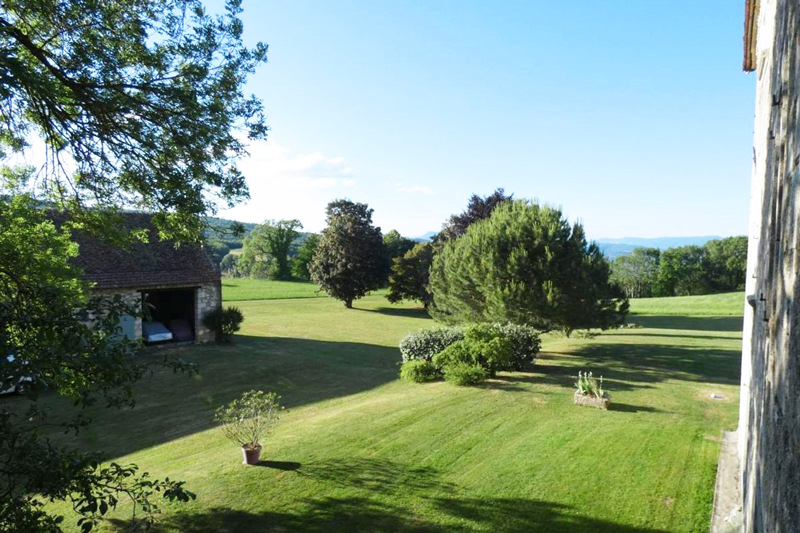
{"points": [[177, 285]]}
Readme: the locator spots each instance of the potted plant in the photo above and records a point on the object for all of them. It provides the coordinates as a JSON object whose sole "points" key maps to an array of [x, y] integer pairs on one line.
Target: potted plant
{"points": [[590, 392], [248, 420]]}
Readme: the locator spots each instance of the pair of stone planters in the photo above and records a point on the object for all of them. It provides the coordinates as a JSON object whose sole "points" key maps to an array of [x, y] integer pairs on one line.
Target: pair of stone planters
{"points": [[590, 400], [250, 456]]}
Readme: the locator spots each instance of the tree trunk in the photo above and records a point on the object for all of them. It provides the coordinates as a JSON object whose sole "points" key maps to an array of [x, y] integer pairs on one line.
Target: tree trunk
{"points": [[348, 303]]}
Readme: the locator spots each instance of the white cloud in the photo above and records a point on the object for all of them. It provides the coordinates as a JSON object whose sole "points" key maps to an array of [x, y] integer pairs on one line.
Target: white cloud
{"points": [[416, 188], [284, 185]]}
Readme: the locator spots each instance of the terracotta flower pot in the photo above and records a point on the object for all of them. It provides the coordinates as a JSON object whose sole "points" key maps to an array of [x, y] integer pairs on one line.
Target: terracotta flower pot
{"points": [[251, 455]]}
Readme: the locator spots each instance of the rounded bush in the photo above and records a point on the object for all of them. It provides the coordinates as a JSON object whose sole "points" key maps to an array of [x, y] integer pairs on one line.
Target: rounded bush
{"points": [[424, 344], [525, 342], [465, 374], [419, 371]]}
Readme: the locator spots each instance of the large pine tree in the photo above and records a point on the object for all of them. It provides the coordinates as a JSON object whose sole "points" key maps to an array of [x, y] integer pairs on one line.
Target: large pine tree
{"points": [[525, 264]]}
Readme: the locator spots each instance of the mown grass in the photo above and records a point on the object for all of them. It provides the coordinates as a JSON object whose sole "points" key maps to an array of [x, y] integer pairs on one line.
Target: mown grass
{"points": [[358, 450], [727, 304], [246, 289]]}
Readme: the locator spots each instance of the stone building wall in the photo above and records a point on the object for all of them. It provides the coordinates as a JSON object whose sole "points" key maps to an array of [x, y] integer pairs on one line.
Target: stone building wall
{"points": [[207, 298], [769, 425]]}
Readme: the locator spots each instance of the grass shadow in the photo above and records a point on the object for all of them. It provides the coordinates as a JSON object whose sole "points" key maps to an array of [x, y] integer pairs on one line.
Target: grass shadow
{"points": [[391, 488], [301, 371], [286, 466], [348, 514], [413, 312]]}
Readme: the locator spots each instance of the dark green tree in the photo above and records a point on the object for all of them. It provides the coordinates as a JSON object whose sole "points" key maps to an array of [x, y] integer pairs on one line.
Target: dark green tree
{"points": [[637, 273], [302, 261], [266, 249], [683, 271], [396, 246], [727, 259], [526, 265], [477, 209], [411, 275], [351, 257], [138, 103]]}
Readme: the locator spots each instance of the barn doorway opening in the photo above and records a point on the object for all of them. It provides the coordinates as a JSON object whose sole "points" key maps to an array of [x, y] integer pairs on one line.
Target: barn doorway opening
{"points": [[168, 315]]}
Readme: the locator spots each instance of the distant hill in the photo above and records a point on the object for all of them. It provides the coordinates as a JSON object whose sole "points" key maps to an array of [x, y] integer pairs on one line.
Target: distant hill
{"points": [[613, 248], [428, 236]]}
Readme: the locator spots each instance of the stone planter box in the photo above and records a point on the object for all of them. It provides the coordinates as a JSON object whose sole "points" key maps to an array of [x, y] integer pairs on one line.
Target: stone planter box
{"points": [[590, 400]]}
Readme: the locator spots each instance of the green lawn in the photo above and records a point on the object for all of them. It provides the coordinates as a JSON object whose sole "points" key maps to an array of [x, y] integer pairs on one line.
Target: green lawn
{"points": [[247, 289], [241, 289], [359, 450], [727, 304]]}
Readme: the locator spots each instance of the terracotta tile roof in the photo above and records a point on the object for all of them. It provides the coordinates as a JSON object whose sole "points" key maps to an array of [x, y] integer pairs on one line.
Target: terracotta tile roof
{"points": [[142, 266]]}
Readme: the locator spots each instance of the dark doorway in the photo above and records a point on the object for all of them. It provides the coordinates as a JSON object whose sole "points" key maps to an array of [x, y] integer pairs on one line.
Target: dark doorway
{"points": [[174, 309]]}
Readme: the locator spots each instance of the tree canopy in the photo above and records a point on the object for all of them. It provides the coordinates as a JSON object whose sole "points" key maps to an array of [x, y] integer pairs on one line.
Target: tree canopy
{"points": [[351, 257], [411, 275], [266, 249], [525, 264], [477, 209], [305, 255], [138, 103]]}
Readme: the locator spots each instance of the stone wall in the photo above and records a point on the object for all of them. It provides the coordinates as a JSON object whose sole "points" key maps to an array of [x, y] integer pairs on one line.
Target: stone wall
{"points": [[769, 425], [207, 298]]}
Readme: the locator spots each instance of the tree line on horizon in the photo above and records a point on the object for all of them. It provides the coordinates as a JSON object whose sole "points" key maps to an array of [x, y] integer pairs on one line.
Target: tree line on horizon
{"points": [[719, 265]]}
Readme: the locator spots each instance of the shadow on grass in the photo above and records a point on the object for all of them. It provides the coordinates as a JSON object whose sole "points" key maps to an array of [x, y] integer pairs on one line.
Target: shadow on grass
{"points": [[415, 312], [172, 406], [348, 514], [391, 497], [286, 466]]}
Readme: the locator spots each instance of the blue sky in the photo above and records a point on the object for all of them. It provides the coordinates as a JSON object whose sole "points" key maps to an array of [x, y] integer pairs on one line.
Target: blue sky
{"points": [[634, 116]]}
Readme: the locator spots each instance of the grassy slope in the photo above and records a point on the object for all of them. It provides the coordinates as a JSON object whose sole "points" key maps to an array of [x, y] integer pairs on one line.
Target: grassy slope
{"points": [[360, 451]]}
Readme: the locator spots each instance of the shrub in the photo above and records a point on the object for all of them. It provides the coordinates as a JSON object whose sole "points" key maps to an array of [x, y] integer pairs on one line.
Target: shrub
{"points": [[419, 371], [525, 343], [424, 344], [249, 419], [224, 322], [465, 374], [481, 346]]}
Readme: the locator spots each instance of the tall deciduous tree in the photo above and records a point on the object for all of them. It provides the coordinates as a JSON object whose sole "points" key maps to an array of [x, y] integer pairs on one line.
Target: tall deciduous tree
{"points": [[684, 270], [637, 273], [727, 260], [305, 255], [525, 264], [411, 275], [396, 246], [138, 103], [351, 257], [267, 247], [477, 209]]}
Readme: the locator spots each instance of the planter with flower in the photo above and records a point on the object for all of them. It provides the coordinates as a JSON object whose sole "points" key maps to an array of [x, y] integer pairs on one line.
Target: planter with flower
{"points": [[248, 420], [590, 392]]}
